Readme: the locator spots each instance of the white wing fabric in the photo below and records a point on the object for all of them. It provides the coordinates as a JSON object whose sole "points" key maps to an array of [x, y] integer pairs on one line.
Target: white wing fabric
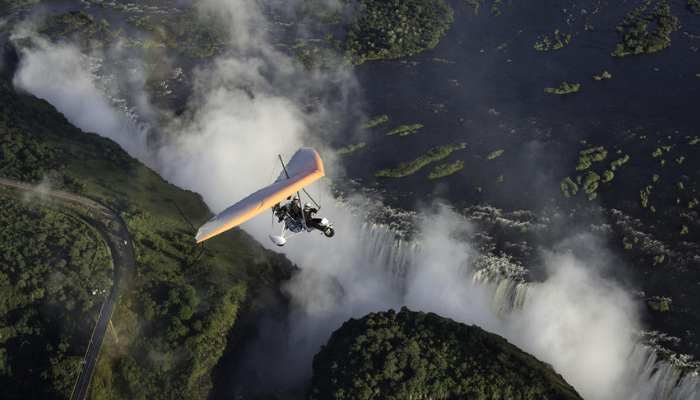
{"points": [[304, 168]]}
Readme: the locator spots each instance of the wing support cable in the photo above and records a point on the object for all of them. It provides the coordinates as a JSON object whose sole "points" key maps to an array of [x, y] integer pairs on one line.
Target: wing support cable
{"points": [[203, 248]]}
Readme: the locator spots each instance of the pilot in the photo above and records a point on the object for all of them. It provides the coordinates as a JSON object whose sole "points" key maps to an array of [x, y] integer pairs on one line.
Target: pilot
{"points": [[293, 209]]}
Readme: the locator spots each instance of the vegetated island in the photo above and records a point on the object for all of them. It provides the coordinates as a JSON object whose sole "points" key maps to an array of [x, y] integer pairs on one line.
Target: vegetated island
{"points": [[416, 355], [694, 6], [646, 29], [432, 155], [405, 130], [557, 42], [351, 148], [590, 181], [396, 28], [603, 76], [446, 169], [495, 154], [564, 88], [375, 121]]}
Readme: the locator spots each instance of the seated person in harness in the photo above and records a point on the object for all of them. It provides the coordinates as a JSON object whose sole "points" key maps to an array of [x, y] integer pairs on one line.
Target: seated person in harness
{"points": [[297, 218]]}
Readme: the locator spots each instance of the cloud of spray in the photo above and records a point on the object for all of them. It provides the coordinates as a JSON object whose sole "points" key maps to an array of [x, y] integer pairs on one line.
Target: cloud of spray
{"points": [[577, 321], [62, 75], [580, 323], [224, 147]]}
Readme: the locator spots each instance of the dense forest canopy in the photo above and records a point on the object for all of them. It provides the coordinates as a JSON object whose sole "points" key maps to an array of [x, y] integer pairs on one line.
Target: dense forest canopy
{"points": [[415, 355], [55, 271], [175, 310], [396, 28]]}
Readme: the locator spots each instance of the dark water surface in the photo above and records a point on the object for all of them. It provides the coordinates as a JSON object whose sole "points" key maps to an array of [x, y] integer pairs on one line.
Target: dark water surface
{"points": [[484, 85]]}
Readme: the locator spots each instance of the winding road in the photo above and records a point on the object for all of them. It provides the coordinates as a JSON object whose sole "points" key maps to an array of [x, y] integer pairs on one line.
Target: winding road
{"points": [[120, 246]]}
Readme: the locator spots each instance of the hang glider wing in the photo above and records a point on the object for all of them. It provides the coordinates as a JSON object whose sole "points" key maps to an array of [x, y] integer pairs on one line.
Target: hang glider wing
{"points": [[304, 168]]}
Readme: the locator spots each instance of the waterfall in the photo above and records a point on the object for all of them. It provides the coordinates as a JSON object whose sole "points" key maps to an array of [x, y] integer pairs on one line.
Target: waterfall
{"points": [[507, 278], [387, 250], [655, 373], [659, 374]]}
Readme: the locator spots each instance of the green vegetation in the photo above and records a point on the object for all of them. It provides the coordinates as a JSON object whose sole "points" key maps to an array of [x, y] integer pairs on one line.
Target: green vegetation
{"points": [[660, 304], [351, 148], [694, 6], [185, 33], [644, 195], [605, 75], [315, 56], [447, 169], [434, 154], [569, 187], [179, 304], [646, 29], [81, 25], [591, 181], [564, 88], [557, 41], [496, 7], [414, 355], [396, 28], [608, 176], [55, 271], [619, 162], [376, 121], [495, 154], [405, 130], [587, 157]]}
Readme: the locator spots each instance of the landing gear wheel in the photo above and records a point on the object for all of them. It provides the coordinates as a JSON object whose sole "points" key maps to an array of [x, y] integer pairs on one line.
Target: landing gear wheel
{"points": [[329, 232]]}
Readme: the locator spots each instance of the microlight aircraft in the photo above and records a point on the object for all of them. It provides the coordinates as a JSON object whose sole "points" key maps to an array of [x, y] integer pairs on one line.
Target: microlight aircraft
{"points": [[283, 197]]}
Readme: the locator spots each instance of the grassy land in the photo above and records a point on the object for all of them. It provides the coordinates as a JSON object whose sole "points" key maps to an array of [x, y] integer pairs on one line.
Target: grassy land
{"points": [[447, 169], [495, 154], [410, 168], [376, 121], [587, 157], [646, 29], [591, 180], [351, 148], [557, 41], [55, 271], [178, 306], [694, 6], [603, 76], [414, 355], [564, 88], [405, 130], [663, 191]]}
